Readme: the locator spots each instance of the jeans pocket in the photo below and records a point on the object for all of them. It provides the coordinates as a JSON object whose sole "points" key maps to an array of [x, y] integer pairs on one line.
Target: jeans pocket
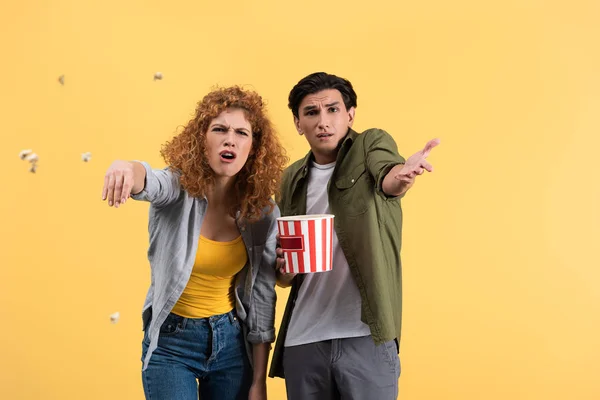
{"points": [[389, 355], [173, 325]]}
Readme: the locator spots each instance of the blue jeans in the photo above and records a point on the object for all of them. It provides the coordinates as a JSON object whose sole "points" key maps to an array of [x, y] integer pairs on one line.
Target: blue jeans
{"points": [[203, 357]]}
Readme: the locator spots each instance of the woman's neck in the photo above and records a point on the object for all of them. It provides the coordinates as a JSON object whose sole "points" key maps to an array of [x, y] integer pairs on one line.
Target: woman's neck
{"points": [[220, 194]]}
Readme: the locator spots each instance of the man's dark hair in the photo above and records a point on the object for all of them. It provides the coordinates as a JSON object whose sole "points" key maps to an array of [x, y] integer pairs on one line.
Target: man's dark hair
{"points": [[317, 82]]}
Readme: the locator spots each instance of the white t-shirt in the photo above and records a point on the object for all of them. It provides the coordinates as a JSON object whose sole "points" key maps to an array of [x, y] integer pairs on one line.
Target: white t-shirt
{"points": [[328, 303]]}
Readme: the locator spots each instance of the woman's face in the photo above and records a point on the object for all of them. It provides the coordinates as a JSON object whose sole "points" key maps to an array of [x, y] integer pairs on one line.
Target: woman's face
{"points": [[228, 142]]}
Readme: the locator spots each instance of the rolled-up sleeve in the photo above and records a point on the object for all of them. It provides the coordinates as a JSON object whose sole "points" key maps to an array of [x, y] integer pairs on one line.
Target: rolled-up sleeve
{"points": [[381, 156], [263, 297], [161, 186]]}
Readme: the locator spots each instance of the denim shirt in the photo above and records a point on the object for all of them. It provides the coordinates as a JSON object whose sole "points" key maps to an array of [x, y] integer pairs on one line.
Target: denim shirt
{"points": [[174, 224]]}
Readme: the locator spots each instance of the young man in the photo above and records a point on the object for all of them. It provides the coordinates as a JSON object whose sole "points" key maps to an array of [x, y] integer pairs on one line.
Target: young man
{"points": [[340, 331]]}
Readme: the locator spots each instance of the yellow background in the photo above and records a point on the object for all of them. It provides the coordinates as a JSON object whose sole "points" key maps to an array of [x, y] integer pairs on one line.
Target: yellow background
{"points": [[502, 289]]}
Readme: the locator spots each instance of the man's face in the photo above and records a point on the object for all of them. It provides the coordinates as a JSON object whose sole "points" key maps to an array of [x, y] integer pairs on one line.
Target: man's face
{"points": [[324, 121]]}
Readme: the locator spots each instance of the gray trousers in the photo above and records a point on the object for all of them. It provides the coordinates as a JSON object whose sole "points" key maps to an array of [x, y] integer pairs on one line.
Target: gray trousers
{"points": [[348, 369]]}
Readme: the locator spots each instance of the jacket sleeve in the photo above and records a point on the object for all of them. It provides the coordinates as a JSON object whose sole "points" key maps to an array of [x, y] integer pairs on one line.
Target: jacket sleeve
{"points": [[263, 297], [381, 156], [161, 186]]}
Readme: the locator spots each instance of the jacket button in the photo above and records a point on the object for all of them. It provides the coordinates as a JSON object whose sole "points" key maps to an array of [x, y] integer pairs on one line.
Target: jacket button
{"points": [[352, 181]]}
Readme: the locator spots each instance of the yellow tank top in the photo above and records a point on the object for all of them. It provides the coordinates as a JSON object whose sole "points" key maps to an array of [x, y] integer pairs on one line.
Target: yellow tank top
{"points": [[210, 288]]}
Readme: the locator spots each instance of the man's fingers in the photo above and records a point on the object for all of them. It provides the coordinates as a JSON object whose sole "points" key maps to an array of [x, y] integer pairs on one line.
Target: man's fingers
{"points": [[430, 145], [280, 260], [427, 166], [281, 267], [286, 275]]}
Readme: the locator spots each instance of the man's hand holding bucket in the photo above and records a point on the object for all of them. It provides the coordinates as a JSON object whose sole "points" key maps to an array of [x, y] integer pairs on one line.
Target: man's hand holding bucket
{"points": [[283, 279]]}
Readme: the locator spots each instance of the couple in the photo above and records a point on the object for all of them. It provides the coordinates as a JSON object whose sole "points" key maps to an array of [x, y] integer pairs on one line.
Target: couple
{"points": [[209, 313]]}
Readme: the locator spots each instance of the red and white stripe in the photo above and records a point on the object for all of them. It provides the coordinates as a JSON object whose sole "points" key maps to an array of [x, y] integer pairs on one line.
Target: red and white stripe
{"points": [[312, 243]]}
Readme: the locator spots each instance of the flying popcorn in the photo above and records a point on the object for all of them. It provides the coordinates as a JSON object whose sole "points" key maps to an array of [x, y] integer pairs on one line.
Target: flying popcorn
{"points": [[32, 158], [86, 156], [114, 318], [24, 153], [61, 79], [158, 76]]}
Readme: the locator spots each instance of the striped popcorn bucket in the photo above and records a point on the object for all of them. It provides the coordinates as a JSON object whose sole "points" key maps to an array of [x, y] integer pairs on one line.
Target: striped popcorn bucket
{"points": [[306, 241]]}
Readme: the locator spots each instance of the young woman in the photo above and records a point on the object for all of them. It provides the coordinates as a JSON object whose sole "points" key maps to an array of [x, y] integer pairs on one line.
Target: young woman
{"points": [[210, 310]]}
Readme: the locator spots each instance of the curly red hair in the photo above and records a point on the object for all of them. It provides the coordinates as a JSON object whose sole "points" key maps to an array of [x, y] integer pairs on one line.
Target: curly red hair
{"points": [[259, 178]]}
